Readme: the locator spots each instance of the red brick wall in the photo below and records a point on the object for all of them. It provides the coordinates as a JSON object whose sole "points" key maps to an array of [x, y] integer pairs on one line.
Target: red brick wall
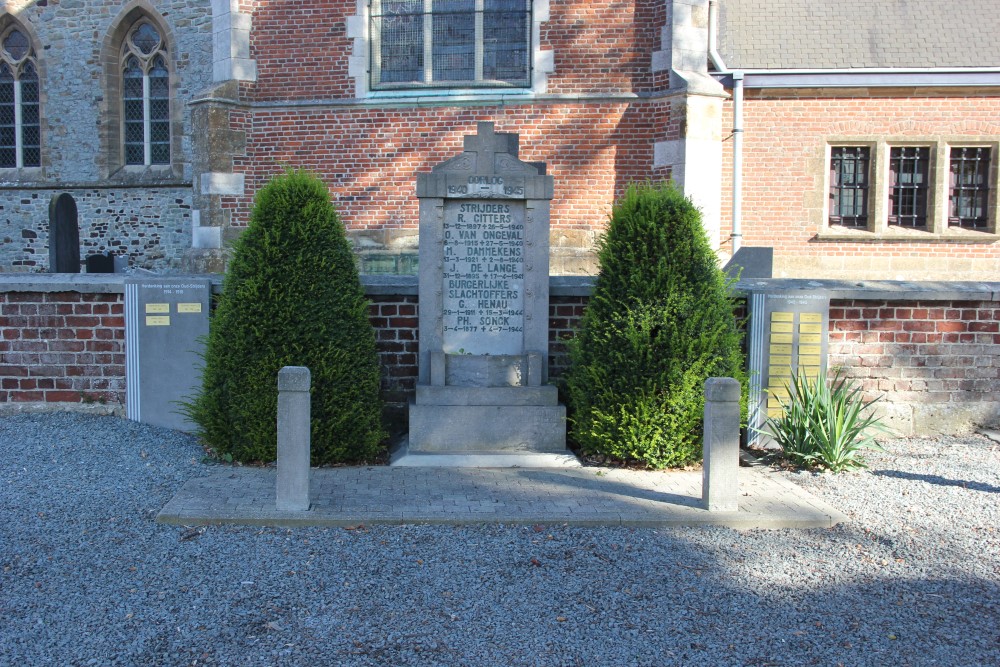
{"points": [[939, 361], [369, 158], [62, 347], [945, 352], [784, 167], [601, 46]]}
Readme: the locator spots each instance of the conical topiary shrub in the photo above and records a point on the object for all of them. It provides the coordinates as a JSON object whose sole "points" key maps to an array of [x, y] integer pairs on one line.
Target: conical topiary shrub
{"points": [[660, 322], [291, 297]]}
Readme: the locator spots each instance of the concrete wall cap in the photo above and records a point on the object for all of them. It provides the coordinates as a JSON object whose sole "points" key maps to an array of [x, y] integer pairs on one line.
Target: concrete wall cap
{"points": [[294, 378], [722, 390]]}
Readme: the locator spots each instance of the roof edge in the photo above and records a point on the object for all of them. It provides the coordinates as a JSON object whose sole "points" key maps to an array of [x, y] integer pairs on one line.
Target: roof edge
{"points": [[865, 77]]}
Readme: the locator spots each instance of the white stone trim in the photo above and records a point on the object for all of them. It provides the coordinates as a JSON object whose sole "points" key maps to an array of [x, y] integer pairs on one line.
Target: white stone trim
{"points": [[218, 183], [231, 43], [356, 26]]}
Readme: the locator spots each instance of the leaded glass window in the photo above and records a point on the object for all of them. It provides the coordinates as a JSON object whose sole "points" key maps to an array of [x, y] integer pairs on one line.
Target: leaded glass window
{"points": [[20, 129], [908, 186], [849, 178], [969, 187], [145, 97], [416, 43]]}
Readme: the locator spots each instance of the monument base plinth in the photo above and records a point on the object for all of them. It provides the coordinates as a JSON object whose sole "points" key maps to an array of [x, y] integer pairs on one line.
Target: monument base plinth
{"points": [[498, 423]]}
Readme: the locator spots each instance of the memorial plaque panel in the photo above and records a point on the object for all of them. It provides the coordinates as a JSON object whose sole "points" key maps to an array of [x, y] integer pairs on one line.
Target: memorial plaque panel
{"points": [[788, 337], [483, 277], [165, 322]]}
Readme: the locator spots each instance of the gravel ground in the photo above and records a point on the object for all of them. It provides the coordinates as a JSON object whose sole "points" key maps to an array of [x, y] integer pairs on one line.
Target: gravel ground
{"points": [[88, 578]]}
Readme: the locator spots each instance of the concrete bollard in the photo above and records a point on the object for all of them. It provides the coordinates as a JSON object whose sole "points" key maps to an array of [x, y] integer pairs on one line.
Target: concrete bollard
{"points": [[720, 489], [294, 426]]}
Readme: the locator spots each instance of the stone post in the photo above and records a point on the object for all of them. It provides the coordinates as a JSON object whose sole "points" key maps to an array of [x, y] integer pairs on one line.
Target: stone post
{"points": [[293, 438], [719, 485]]}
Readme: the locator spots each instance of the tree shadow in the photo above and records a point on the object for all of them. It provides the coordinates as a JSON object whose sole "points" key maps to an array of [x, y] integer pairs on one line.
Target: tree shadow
{"points": [[938, 480]]}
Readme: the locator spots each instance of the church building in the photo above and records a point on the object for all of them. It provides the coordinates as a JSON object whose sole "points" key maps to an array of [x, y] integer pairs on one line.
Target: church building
{"points": [[856, 139]]}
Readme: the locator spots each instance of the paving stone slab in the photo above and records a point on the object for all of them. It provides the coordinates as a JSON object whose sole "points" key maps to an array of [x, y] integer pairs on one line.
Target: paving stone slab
{"points": [[588, 496]]}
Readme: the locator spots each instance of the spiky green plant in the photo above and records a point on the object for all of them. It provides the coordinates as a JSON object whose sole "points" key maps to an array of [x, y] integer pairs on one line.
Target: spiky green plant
{"points": [[826, 424]]}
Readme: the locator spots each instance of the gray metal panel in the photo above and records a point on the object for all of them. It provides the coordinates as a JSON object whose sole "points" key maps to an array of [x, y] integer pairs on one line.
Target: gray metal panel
{"points": [[824, 34], [165, 322]]}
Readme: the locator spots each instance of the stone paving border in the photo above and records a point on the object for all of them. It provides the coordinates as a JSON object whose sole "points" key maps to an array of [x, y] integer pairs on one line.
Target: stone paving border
{"points": [[589, 496]]}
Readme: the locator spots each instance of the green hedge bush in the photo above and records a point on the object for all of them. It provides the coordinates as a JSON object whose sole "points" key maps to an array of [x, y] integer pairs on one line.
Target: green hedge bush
{"points": [[660, 322], [291, 297]]}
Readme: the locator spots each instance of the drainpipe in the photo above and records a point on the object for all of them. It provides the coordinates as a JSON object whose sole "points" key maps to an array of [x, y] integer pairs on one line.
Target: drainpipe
{"points": [[737, 234], [736, 237]]}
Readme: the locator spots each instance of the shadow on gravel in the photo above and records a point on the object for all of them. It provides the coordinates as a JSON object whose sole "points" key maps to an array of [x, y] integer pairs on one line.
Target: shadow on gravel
{"points": [[606, 486], [937, 480]]}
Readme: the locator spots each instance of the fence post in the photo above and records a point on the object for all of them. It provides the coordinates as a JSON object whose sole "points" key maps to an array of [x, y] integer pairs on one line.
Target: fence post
{"points": [[720, 489], [293, 438]]}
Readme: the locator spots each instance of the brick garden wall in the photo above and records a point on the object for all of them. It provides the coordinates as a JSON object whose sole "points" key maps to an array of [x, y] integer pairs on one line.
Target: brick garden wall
{"points": [[936, 361], [62, 347]]}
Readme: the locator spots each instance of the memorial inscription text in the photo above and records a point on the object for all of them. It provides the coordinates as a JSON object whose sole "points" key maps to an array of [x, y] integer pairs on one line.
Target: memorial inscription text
{"points": [[483, 277]]}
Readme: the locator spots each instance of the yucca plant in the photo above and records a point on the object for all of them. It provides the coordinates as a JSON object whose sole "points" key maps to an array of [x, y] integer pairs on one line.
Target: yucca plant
{"points": [[826, 424]]}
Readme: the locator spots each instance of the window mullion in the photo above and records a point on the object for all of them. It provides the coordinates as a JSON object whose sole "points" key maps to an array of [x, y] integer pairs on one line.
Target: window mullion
{"points": [[18, 126], [428, 41], [479, 47], [147, 133]]}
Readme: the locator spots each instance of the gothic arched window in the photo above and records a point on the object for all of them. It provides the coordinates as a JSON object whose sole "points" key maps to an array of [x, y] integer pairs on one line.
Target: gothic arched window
{"points": [[145, 96], [20, 131]]}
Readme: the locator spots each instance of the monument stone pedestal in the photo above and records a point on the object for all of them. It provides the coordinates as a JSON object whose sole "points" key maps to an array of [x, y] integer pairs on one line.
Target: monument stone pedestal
{"points": [[482, 397]]}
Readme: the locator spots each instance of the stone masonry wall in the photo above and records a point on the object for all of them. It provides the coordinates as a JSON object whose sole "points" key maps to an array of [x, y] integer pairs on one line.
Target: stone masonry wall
{"points": [[145, 211], [151, 226], [785, 171]]}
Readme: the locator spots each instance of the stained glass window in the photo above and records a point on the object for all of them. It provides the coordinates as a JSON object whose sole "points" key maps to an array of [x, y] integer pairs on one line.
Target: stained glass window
{"points": [[420, 43], [145, 97], [20, 129]]}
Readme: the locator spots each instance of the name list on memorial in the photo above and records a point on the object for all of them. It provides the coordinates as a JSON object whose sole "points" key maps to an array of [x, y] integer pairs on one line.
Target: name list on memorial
{"points": [[483, 304]]}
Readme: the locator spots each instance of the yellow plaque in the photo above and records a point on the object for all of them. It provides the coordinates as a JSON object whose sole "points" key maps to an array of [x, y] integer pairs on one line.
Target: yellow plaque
{"points": [[781, 327], [809, 371], [775, 412], [774, 402], [779, 392], [157, 320], [782, 317], [189, 308], [810, 328], [157, 307], [810, 349], [809, 360], [779, 372], [814, 339], [781, 349], [810, 317], [781, 360], [781, 338]]}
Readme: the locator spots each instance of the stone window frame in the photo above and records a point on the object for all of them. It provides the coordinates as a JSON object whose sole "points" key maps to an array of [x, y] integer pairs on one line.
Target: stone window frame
{"points": [[7, 24], [938, 195], [113, 125], [146, 64], [541, 64]]}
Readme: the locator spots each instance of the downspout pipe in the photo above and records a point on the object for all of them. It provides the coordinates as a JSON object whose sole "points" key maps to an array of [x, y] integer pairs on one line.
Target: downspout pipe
{"points": [[736, 236]]}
